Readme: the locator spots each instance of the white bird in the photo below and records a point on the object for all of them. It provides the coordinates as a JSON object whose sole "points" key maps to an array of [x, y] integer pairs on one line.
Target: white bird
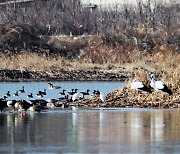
{"points": [[102, 97], [16, 105], [51, 105], [139, 86], [75, 96], [11, 104], [159, 85]]}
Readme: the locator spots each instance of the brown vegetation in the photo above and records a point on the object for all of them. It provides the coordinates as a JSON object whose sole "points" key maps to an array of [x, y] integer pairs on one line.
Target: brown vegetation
{"points": [[150, 23]]}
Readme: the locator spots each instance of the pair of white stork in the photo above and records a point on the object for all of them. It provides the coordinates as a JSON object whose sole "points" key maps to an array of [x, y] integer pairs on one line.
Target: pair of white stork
{"points": [[154, 83]]}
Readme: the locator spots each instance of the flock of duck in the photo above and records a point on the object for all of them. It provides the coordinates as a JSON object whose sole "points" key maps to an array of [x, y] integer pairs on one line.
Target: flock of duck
{"points": [[66, 100], [69, 98]]}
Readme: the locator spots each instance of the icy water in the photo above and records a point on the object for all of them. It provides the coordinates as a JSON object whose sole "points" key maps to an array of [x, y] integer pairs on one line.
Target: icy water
{"points": [[92, 131]]}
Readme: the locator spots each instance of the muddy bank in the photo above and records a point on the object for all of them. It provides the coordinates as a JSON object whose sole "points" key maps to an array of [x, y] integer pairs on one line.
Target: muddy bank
{"points": [[61, 75]]}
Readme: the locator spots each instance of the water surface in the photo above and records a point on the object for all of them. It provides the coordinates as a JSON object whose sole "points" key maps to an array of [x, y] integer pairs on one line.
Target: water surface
{"points": [[92, 131]]}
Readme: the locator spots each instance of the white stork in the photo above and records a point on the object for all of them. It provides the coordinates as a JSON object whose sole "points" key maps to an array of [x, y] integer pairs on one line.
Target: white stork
{"points": [[139, 86], [159, 85], [75, 96], [102, 97]]}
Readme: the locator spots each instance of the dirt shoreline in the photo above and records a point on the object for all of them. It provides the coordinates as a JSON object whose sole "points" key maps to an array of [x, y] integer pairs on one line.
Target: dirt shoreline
{"points": [[61, 75]]}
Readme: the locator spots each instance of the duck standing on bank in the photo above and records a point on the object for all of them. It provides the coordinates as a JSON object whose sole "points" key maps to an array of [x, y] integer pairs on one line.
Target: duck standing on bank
{"points": [[84, 93]]}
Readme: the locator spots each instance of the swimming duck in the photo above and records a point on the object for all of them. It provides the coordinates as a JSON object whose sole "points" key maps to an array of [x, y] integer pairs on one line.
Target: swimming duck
{"points": [[30, 95], [22, 90], [51, 86]]}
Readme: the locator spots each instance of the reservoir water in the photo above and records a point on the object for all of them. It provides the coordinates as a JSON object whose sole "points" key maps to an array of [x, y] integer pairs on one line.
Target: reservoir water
{"points": [[92, 131]]}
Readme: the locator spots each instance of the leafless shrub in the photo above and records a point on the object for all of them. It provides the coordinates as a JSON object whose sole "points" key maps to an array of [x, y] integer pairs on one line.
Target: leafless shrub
{"points": [[69, 16], [130, 28]]}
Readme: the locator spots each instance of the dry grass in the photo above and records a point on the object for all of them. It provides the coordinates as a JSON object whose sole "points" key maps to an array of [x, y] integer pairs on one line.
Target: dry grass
{"points": [[36, 62], [30, 61], [107, 58]]}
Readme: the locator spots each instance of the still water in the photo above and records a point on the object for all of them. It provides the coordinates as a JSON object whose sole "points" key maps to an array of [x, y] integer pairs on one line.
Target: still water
{"points": [[92, 131]]}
